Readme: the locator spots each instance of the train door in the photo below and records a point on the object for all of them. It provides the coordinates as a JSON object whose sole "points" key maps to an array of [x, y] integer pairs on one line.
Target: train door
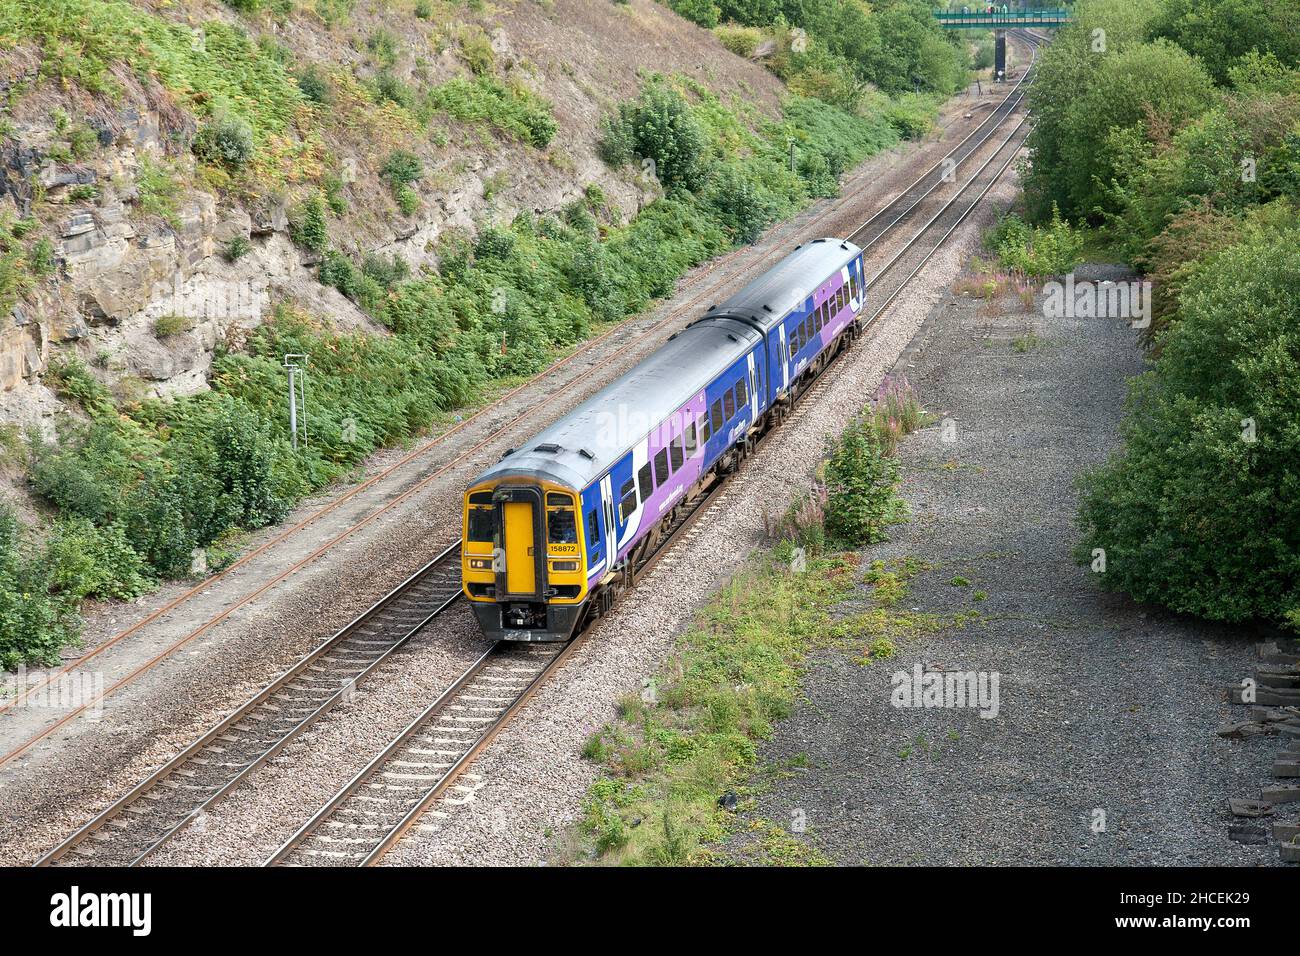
{"points": [[520, 543], [594, 529], [607, 513]]}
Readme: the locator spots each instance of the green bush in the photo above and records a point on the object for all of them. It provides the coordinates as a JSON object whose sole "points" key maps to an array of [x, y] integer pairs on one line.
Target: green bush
{"points": [[861, 483], [402, 168], [742, 205], [1036, 250], [237, 248], [1200, 510], [307, 225], [314, 85], [34, 623], [226, 141], [658, 126], [89, 561]]}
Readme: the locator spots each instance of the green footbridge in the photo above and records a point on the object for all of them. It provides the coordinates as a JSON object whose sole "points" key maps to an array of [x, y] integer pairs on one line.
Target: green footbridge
{"points": [[978, 17]]}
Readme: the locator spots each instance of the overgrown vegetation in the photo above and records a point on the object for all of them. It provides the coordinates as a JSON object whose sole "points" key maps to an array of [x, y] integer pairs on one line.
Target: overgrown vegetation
{"points": [[1049, 249], [681, 758], [1176, 133], [835, 50], [693, 735], [854, 497]]}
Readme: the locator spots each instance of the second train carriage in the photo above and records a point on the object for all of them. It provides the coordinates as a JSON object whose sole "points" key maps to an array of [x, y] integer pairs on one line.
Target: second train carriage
{"points": [[555, 528]]}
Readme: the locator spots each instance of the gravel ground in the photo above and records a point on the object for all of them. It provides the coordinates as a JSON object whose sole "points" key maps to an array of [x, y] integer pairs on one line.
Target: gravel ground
{"points": [[1105, 707], [533, 778]]}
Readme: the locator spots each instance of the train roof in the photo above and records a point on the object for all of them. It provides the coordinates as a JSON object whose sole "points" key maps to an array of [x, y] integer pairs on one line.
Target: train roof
{"points": [[770, 297], [583, 444]]}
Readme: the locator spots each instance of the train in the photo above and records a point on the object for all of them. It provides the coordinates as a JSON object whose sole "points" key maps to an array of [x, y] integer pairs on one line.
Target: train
{"points": [[557, 528]]}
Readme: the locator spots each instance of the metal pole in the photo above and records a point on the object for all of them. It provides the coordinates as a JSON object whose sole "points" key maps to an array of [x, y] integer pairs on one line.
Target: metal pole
{"points": [[293, 409], [297, 392]]}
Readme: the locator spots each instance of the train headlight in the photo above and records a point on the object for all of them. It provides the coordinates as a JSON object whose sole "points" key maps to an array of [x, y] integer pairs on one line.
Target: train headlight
{"points": [[480, 564], [564, 565]]}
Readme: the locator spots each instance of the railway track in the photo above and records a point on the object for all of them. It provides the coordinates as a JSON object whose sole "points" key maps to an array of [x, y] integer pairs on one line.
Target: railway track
{"points": [[896, 208], [387, 797], [370, 813], [199, 777]]}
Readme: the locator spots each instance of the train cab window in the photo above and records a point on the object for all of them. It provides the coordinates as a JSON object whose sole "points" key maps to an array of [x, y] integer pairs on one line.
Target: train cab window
{"points": [[704, 430], [742, 398], [661, 466], [628, 495], [715, 412], [645, 481], [675, 453], [689, 445], [561, 528], [593, 530], [729, 404], [482, 522]]}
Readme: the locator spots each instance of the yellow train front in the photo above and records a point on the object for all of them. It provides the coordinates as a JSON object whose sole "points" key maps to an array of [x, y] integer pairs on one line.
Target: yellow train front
{"points": [[522, 557]]}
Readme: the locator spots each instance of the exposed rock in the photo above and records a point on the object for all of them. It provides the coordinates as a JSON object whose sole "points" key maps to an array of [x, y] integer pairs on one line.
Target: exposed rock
{"points": [[269, 217]]}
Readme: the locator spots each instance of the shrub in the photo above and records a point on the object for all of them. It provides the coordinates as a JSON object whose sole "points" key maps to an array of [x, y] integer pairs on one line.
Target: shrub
{"points": [[861, 483], [1200, 509], [237, 248], [408, 200], [87, 561], [166, 325], [1039, 250], [657, 126], [742, 205], [225, 141], [314, 85], [484, 99], [307, 226], [34, 623]]}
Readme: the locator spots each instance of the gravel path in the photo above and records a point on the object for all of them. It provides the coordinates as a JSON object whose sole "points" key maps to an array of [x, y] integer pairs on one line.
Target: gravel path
{"points": [[1108, 710]]}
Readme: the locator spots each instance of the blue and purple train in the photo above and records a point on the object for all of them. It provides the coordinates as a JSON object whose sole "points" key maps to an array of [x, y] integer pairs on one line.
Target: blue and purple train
{"points": [[555, 530]]}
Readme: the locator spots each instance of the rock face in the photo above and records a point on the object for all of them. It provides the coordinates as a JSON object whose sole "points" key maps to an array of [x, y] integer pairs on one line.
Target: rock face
{"points": [[141, 288]]}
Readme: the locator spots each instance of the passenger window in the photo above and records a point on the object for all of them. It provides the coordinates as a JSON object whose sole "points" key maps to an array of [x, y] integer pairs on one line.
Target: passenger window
{"points": [[690, 445], [715, 412], [646, 482], [628, 494], [561, 528], [742, 399], [729, 404], [704, 429], [481, 524], [675, 452], [661, 466]]}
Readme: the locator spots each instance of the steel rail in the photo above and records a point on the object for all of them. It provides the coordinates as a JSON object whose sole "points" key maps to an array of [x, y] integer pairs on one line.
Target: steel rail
{"points": [[475, 747], [448, 556]]}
